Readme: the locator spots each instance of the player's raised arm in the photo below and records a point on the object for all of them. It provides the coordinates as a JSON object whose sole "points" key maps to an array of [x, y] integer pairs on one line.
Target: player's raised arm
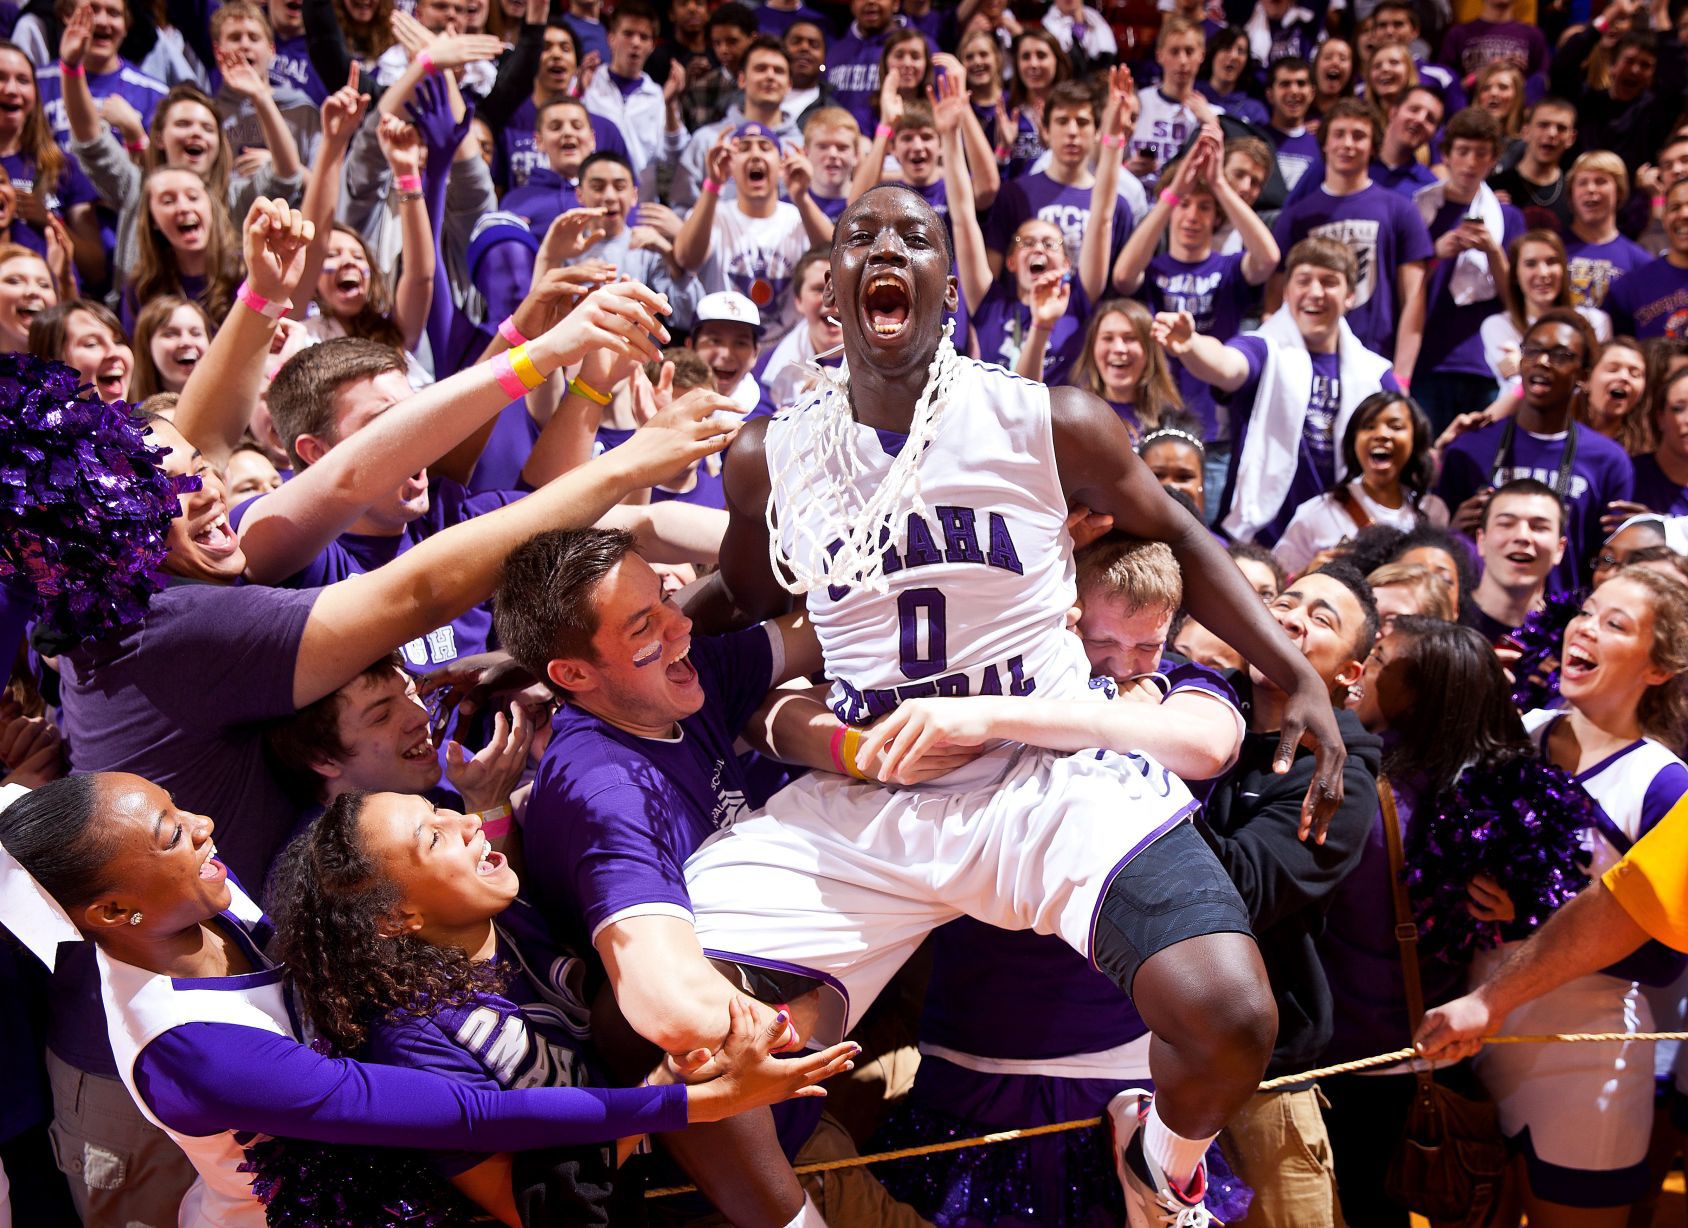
{"points": [[1100, 470]]}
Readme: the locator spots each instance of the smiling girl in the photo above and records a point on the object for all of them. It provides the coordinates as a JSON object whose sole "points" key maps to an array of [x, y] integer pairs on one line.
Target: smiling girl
{"points": [[171, 336], [1614, 403], [410, 945], [1121, 364], [1387, 449], [186, 246], [1224, 79], [26, 290], [86, 335], [1621, 681], [49, 182], [1537, 280]]}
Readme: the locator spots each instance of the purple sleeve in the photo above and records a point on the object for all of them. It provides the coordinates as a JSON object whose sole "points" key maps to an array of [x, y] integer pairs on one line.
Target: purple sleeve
{"points": [[1006, 213], [240, 646], [738, 672], [75, 187], [1667, 789], [1242, 400], [1414, 235], [1193, 677], [1622, 486], [187, 1076]]}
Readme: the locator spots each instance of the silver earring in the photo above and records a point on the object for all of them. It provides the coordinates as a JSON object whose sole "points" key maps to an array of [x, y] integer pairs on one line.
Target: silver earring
{"points": [[134, 918]]}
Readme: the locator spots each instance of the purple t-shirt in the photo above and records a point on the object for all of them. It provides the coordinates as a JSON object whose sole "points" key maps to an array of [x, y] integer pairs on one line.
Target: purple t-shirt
{"points": [[533, 1034], [1451, 341], [1405, 179], [1315, 465], [1594, 268], [1215, 292], [977, 967], [353, 554], [1651, 301], [1038, 196], [507, 448], [177, 698], [1601, 472], [614, 816], [1472, 44], [1655, 491], [1002, 322], [1237, 103], [1383, 230], [126, 81], [293, 67], [852, 71], [71, 189], [1298, 156]]}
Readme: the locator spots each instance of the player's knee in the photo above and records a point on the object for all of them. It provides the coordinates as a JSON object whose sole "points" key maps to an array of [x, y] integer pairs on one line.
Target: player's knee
{"points": [[1237, 1018]]}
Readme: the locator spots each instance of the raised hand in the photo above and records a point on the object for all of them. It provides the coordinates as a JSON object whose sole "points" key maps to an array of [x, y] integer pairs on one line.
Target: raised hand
{"points": [[718, 162], [242, 78], [572, 232], [1173, 331], [429, 108], [1309, 720], [61, 262], [1007, 123], [458, 50], [676, 83], [78, 33], [1050, 298], [412, 34], [401, 144], [659, 217], [343, 110], [696, 425], [623, 317], [249, 161], [486, 779], [890, 100], [797, 172], [588, 68], [1120, 111], [948, 96], [273, 241]]}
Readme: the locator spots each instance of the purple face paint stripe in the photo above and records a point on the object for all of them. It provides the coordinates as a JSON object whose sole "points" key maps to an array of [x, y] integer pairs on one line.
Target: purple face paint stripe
{"points": [[650, 654]]}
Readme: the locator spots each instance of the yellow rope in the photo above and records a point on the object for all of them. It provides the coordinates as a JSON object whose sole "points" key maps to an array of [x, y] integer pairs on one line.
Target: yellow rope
{"points": [[1060, 1127]]}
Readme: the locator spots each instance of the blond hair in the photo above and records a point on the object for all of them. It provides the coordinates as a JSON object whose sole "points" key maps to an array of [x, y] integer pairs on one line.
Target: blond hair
{"points": [[831, 117], [1432, 596], [1601, 162], [1142, 574]]}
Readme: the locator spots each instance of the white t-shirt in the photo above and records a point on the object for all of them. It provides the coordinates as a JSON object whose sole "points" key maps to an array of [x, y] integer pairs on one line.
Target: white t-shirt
{"points": [[757, 256], [1162, 126], [1323, 522]]}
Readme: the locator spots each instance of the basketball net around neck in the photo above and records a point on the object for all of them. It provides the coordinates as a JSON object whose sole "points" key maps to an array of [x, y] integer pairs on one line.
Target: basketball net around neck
{"points": [[818, 463]]}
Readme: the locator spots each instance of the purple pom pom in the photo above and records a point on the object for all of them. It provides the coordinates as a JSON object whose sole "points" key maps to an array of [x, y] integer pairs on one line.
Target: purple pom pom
{"points": [[84, 504], [1541, 639]]}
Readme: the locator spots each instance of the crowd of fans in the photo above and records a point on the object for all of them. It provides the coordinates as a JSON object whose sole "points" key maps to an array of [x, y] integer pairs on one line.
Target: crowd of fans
{"points": [[442, 311]]}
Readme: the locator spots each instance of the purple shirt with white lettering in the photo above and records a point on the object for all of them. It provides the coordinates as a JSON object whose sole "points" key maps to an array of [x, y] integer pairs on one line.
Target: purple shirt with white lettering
{"points": [[1215, 292], [613, 816], [1038, 196], [852, 70], [1651, 301], [1594, 268], [1383, 230], [1315, 467], [1451, 341], [1601, 472], [72, 188], [1298, 156], [126, 81], [293, 67], [1472, 44]]}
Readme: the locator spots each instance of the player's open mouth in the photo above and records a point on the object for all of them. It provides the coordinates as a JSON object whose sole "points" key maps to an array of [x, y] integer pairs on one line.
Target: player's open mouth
{"points": [[886, 302]]}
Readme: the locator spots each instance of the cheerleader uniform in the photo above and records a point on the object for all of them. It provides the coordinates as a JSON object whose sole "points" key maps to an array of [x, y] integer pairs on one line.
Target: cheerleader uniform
{"points": [[199, 1054], [1582, 1115]]}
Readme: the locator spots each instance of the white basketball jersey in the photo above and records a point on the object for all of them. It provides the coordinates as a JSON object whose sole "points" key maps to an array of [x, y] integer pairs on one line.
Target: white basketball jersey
{"points": [[979, 587], [141, 1006]]}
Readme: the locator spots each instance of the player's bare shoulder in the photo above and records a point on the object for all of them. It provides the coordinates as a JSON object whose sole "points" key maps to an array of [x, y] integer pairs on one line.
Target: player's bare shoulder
{"points": [[744, 474]]}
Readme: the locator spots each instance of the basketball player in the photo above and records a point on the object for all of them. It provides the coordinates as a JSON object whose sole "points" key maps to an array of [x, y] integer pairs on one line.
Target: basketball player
{"points": [[920, 502]]}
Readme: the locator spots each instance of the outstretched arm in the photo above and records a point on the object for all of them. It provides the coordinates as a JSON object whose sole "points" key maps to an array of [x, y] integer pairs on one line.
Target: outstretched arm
{"points": [[972, 265], [1100, 470], [1207, 358]]}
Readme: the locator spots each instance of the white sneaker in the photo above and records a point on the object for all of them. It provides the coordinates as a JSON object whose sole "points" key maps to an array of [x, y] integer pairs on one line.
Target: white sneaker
{"points": [[1150, 1199]]}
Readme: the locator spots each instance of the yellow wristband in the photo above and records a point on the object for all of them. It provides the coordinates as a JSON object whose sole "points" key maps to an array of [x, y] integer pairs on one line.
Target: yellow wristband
{"points": [[523, 366], [852, 744], [586, 390]]}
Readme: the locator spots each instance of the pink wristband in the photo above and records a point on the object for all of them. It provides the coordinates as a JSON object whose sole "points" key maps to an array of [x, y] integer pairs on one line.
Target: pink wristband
{"points": [[426, 59], [884, 132], [263, 306], [713, 188], [507, 377], [408, 183], [1113, 141], [838, 750], [497, 826], [507, 329], [1170, 199], [72, 70]]}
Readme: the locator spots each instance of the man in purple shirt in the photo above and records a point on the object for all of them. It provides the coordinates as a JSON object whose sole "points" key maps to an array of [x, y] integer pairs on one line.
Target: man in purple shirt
{"points": [[853, 60], [1412, 123], [1385, 233], [292, 64], [1585, 469], [1597, 255], [108, 72], [1289, 92], [1652, 301], [1496, 36]]}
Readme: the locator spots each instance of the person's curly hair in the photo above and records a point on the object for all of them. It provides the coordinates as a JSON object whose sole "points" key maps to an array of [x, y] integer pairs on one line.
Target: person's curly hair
{"points": [[328, 899]]}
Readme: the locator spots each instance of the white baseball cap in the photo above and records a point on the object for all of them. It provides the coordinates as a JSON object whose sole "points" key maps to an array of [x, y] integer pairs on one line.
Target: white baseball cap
{"points": [[730, 306]]}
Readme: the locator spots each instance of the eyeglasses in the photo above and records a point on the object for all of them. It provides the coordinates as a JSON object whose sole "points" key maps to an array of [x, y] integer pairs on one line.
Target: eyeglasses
{"points": [[1609, 562], [1558, 355], [1045, 244]]}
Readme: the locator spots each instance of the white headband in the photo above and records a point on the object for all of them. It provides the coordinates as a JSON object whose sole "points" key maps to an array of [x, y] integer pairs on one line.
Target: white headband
{"points": [[32, 916]]}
